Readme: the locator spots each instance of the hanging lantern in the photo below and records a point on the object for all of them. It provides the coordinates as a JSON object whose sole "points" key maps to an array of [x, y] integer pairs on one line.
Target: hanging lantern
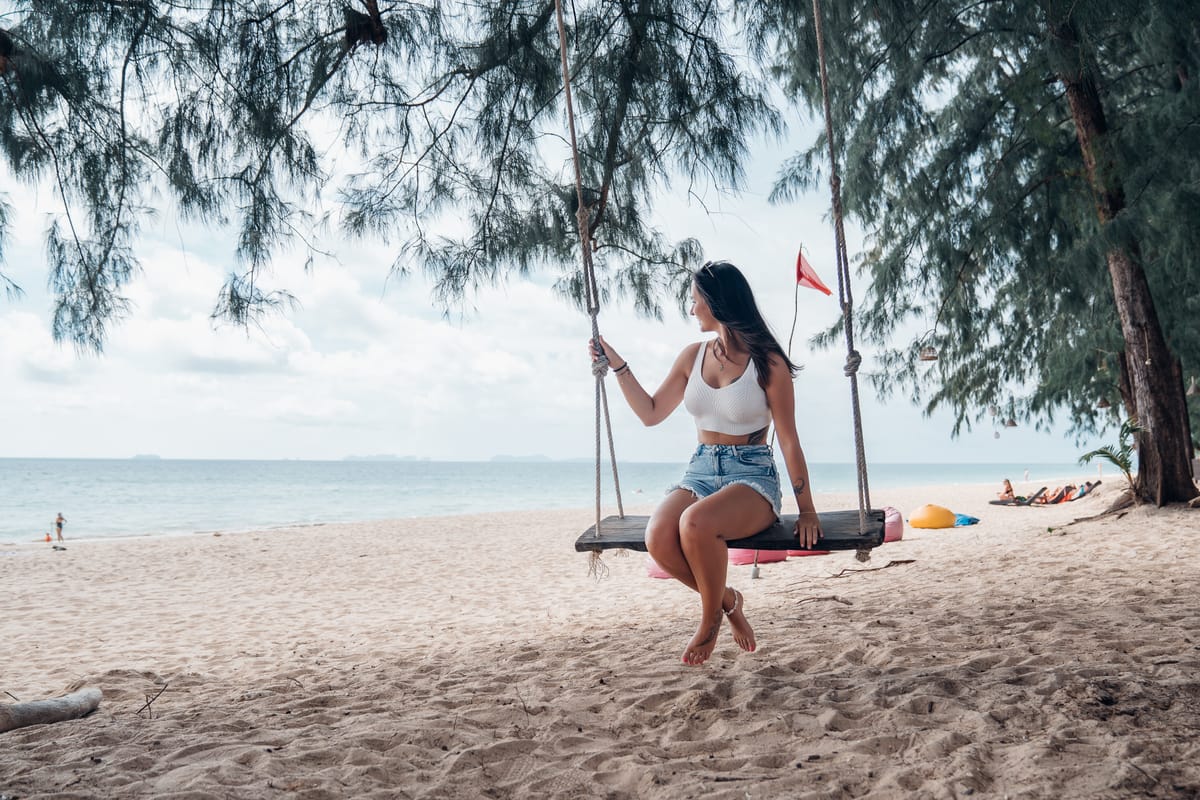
{"points": [[996, 434], [1193, 390], [1104, 403], [993, 410], [1010, 423]]}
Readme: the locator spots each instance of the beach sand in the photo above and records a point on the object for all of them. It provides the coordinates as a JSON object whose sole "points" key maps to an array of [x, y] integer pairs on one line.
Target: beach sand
{"points": [[474, 657]]}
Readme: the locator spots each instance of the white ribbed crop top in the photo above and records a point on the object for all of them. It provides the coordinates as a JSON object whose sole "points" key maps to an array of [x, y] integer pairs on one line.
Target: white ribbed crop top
{"points": [[736, 409]]}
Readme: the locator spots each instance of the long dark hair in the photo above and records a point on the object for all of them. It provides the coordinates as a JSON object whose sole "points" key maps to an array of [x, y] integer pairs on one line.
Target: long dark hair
{"points": [[727, 293]]}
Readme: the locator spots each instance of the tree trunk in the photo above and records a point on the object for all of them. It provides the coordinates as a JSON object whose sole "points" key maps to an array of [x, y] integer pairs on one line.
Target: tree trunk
{"points": [[1164, 469], [1186, 422]]}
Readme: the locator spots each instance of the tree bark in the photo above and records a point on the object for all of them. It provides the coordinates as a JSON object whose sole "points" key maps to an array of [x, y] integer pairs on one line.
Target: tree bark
{"points": [[1186, 422], [42, 712], [1164, 469]]}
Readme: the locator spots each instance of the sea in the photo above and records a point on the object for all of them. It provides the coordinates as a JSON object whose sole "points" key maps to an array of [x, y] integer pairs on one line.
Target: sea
{"points": [[154, 497]]}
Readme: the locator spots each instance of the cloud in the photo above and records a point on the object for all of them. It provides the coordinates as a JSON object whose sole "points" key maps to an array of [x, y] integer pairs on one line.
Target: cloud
{"points": [[294, 409], [368, 364], [221, 365], [53, 377]]}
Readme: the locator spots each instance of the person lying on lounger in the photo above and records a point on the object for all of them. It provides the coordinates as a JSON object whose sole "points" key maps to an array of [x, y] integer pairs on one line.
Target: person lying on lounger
{"points": [[1058, 495], [1007, 493]]}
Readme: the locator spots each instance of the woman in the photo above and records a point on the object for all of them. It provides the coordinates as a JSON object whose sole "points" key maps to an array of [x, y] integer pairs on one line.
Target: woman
{"points": [[736, 386], [1006, 492]]}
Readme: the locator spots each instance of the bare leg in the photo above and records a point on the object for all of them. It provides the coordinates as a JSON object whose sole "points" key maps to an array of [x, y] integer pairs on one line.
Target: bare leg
{"points": [[662, 536], [735, 609], [735, 512], [662, 542]]}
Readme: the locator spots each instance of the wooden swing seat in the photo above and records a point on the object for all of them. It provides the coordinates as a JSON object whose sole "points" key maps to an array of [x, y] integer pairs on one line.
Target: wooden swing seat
{"points": [[839, 531]]}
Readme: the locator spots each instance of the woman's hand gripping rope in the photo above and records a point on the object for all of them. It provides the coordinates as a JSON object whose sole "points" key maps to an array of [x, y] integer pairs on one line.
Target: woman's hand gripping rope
{"points": [[618, 364]]}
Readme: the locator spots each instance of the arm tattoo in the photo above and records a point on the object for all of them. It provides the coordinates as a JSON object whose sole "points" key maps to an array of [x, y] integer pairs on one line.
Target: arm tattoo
{"points": [[799, 486], [758, 437]]}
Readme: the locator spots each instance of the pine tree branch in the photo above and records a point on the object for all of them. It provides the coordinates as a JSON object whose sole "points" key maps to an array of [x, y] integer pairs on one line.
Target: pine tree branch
{"points": [[434, 144], [124, 132], [637, 28], [885, 57], [500, 59], [313, 91], [640, 256], [937, 56], [271, 14], [693, 37], [500, 162], [35, 129], [283, 65]]}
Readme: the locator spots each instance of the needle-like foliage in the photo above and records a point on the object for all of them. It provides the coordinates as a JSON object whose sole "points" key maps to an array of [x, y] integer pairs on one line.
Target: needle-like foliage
{"points": [[1027, 175], [437, 127]]}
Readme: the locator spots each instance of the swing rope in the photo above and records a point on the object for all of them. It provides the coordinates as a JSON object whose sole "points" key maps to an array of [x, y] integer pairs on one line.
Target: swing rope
{"points": [[845, 297], [590, 289]]}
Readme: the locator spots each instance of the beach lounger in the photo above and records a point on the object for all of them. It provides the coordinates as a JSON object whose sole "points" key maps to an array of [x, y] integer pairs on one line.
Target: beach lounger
{"points": [[839, 531], [1021, 501]]}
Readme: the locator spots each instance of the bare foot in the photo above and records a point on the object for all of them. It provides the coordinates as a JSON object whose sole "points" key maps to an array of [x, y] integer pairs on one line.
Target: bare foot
{"points": [[701, 646], [743, 634]]}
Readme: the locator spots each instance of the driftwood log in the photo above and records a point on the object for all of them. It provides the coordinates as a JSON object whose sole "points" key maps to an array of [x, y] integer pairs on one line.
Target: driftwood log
{"points": [[43, 712]]}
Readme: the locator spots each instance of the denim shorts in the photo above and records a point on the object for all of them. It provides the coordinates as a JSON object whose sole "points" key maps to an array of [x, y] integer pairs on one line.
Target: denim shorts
{"points": [[715, 466]]}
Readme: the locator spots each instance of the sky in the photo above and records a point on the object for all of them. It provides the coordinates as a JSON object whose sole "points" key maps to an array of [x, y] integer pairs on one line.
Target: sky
{"points": [[368, 365]]}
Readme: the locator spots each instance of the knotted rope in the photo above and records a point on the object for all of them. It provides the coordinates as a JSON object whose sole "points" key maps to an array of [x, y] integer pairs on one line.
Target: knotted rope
{"points": [[845, 296], [591, 292]]}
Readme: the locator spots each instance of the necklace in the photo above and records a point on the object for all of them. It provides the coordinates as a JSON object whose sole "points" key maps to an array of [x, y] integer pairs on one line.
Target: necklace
{"points": [[721, 354]]}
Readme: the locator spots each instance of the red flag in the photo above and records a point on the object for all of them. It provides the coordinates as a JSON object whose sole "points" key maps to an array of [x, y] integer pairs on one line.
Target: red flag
{"points": [[806, 276]]}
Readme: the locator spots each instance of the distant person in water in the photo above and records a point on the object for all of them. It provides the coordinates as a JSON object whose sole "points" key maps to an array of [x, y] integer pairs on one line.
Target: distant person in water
{"points": [[736, 385], [58, 523]]}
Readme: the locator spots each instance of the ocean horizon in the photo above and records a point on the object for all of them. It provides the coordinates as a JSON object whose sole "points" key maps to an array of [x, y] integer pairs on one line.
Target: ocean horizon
{"points": [[147, 495]]}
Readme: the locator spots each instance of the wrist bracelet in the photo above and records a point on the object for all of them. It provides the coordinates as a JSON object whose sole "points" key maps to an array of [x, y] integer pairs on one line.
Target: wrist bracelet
{"points": [[621, 370]]}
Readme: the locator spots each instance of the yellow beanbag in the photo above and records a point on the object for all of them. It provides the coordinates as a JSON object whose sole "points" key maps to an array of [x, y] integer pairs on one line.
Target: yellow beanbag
{"points": [[930, 516]]}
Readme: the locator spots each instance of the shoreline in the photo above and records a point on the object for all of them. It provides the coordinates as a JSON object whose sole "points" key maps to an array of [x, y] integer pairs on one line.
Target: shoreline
{"points": [[835, 499], [130, 499]]}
